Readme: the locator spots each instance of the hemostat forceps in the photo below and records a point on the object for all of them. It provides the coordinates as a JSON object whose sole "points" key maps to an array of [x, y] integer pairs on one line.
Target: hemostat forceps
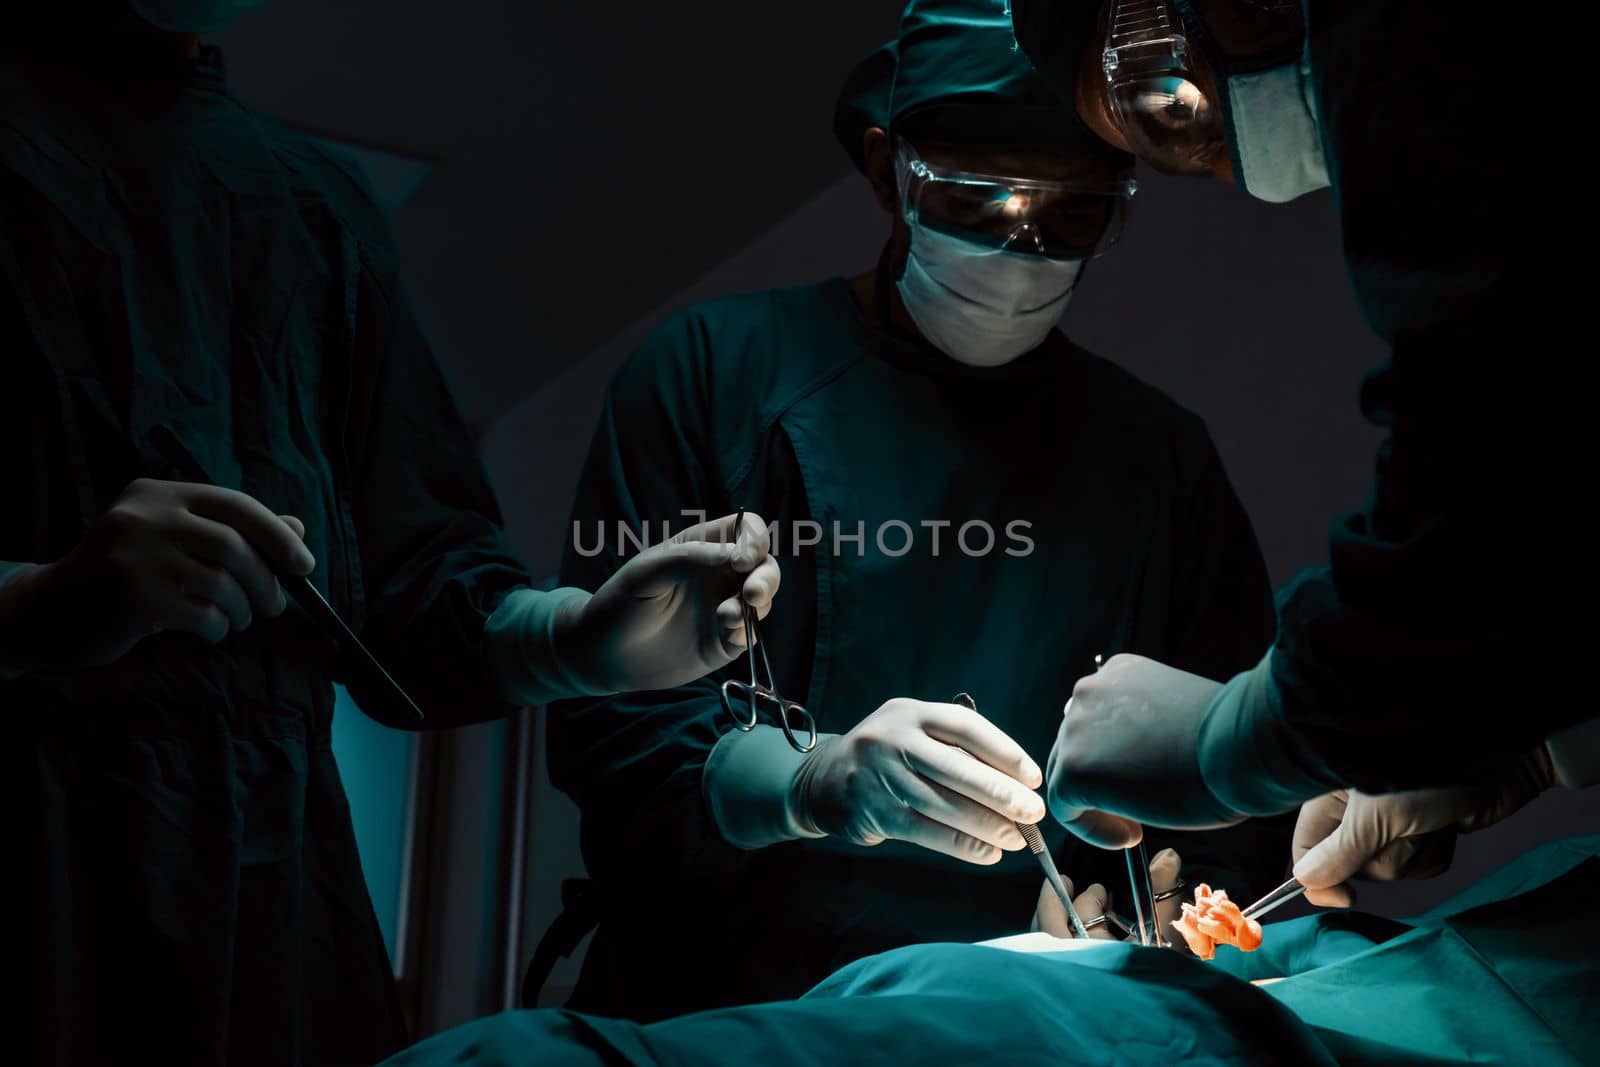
{"points": [[791, 716], [1149, 933]]}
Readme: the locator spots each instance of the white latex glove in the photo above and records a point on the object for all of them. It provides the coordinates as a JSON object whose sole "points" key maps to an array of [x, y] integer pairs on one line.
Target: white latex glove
{"points": [[165, 556], [1165, 869], [1401, 835], [1144, 743], [937, 775], [1127, 745], [672, 613]]}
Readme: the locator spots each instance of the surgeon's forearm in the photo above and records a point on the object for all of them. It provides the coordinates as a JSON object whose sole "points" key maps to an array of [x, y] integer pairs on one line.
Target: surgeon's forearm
{"points": [[1250, 757], [749, 783], [525, 642]]}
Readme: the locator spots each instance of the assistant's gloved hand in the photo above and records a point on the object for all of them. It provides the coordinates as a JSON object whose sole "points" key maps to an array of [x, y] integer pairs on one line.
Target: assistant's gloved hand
{"points": [[1093, 903], [1141, 742], [673, 612], [1402, 835], [1127, 746], [165, 556], [937, 775]]}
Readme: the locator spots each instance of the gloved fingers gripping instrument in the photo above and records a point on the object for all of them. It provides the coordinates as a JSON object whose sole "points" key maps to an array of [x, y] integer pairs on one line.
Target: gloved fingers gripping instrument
{"points": [[758, 692]]}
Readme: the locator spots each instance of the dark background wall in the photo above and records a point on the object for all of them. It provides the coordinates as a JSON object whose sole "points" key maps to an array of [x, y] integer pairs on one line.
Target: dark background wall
{"points": [[589, 156], [590, 167]]}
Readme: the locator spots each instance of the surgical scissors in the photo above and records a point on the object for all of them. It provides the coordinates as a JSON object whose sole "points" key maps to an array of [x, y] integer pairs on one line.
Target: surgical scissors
{"points": [[788, 712]]}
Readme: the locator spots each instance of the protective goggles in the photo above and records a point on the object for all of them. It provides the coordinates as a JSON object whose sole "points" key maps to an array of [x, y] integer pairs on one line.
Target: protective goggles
{"points": [[1065, 219], [1159, 99]]}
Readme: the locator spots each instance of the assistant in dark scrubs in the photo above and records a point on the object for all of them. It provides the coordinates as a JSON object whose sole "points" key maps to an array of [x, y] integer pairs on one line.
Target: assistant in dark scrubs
{"points": [[826, 404], [1433, 647], [175, 260], [175, 265]]}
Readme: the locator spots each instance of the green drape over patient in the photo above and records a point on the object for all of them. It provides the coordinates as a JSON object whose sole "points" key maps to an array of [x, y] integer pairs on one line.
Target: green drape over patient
{"points": [[1504, 973]]}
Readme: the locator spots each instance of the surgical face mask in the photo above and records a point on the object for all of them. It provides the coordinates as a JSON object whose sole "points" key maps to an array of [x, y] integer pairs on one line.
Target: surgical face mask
{"points": [[191, 16], [1277, 147], [979, 305]]}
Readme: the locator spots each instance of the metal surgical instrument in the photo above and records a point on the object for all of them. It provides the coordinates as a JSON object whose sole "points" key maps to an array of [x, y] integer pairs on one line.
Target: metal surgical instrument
{"points": [[1152, 931], [298, 586], [1035, 841], [764, 691], [1276, 899]]}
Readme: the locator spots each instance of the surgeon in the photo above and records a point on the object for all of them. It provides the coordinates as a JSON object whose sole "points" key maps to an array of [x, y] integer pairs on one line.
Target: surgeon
{"points": [[188, 289], [965, 500], [1426, 680]]}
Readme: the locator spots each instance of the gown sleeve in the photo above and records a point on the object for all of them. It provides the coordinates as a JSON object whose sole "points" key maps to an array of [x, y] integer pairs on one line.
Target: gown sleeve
{"points": [[633, 762], [1222, 622], [1454, 572], [434, 560]]}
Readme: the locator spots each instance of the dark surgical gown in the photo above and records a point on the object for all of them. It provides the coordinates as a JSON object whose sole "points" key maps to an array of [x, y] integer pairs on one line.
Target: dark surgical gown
{"points": [[170, 258], [788, 403], [1439, 638]]}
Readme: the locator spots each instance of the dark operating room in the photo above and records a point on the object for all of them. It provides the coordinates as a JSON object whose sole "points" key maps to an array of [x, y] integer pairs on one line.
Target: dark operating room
{"points": [[866, 531]]}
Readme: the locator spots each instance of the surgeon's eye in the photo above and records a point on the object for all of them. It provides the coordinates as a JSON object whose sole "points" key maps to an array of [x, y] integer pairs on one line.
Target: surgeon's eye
{"points": [[1178, 112], [1080, 211], [973, 209], [1079, 222], [1176, 104]]}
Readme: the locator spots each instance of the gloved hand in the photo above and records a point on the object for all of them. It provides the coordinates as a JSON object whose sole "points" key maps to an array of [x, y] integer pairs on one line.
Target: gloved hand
{"points": [[1144, 742], [1402, 835], [1127, 745], [672, 613], [937, 775], [1093, 903], [165, 556]]}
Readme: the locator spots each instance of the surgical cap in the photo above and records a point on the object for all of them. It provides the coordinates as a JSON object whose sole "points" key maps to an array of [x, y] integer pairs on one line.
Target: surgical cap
{"points": [[192, 16], [954, 74], [864, 101], [1052, 35]]}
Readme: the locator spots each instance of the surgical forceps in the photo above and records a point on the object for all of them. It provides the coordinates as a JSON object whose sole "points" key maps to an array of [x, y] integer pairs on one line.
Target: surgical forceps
{"points": [[789, 714], [1035, 842], [1150, 932], [1276, 899]]}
